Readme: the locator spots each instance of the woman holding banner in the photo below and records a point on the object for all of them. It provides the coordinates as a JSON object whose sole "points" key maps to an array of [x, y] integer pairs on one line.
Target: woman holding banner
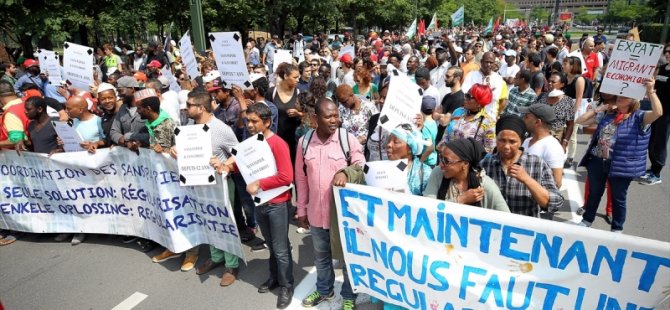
{"points": [[617, 152], [460, 178]]}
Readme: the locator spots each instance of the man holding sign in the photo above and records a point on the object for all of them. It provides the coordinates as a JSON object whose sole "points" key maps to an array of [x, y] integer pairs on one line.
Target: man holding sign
{"points": [[272, 217]]}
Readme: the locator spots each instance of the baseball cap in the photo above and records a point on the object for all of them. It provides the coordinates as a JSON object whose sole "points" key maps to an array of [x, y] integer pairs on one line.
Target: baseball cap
{"points": [[126, 82], [458, 49], [254, 77], [217, 84], [105, 87], [542, 111], [140, 76], [510, 53], [210, 76], [30, 63], [165, 83], [346, 58], [428, 104], [154, 63]]}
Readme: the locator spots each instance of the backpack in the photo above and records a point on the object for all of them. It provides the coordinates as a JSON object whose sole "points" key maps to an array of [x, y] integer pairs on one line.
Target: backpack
{"points": [[345, 146], [588, 89]]}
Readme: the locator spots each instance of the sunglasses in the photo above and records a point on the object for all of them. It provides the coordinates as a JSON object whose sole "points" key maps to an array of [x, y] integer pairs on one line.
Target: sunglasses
{"points": [[446, 162], [666, 51], [468, 97], [188, 105]]}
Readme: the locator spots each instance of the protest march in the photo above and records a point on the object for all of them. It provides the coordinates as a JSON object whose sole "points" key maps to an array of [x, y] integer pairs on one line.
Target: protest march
{"points": [[428, 166]]}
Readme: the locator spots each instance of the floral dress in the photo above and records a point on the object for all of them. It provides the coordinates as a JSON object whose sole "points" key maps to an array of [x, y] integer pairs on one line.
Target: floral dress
{"points": [[481, 127], [356, 122]]}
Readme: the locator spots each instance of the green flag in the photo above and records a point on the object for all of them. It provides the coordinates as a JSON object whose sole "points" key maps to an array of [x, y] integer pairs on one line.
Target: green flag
{"points": [[433, 23], [411, 31], [489, 28], [458, 17]]}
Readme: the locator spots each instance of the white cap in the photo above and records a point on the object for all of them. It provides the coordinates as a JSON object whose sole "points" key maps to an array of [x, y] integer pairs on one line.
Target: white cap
{"points": [[458, 49], [211, 76], [173, 43], [556, 93], [164, 81], [111, 70], [182, 96], [105, 87], [498, 37], [510, 53]]}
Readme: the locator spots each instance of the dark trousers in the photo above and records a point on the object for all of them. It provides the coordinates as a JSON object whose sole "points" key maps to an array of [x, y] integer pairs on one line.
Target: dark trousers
{"points": [[658, 144], [243, 206], [273, 222], [598, 170]]}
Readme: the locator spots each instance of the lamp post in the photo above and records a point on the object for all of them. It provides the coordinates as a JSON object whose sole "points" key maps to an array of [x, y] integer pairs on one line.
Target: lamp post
{"points": [[197, 27]]}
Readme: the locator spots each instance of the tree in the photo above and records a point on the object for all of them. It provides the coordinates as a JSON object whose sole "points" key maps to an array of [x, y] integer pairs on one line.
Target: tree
{"points": [[621, 11], [583, 16], [539, 14]]}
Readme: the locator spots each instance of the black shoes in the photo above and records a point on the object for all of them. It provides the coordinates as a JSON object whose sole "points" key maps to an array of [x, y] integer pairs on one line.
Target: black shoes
{"points": [[269, 285], [284, 298]]}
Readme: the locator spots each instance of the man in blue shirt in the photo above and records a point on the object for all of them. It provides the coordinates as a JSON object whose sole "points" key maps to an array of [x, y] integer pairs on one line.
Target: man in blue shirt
{"points": [[269, 53]]}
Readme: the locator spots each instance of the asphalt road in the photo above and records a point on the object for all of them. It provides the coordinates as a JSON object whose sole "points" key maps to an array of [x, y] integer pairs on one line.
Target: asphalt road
{"points": [[103, 273]]}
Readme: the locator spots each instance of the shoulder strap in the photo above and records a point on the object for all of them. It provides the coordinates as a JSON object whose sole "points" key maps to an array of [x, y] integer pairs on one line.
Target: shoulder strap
{"points": [[344, 136], [305, 144]]}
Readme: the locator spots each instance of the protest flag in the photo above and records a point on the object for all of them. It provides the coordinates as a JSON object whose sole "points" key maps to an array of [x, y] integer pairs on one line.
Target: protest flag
{"points": [[433, 23], [489, 28], [497, 23], [422, 27], [411, 30], [458, 17]]}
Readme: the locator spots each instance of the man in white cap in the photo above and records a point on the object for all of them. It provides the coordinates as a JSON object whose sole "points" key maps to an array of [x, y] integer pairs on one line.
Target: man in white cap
{"points": [[509, 69]]}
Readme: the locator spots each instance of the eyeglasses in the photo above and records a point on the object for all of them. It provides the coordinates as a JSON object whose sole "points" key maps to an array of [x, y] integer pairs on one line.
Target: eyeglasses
{"points": [[468, 97], [446, 162], [666, 51], [188, 105], [315, 65]]}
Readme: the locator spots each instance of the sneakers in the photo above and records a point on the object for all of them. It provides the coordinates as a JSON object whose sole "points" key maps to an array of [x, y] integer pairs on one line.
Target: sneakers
{"points": [[146, 245], [348, 304], [608, 219], [580, 211], [567, 164], [302, 230], [62, 237], [189, 262], [645, 176], [167, 254], [77, 239], [229, 276], [651, 179], [259, 246], [7, 240], [316, 298], [617, 231], [584, 223], [129, 239]]}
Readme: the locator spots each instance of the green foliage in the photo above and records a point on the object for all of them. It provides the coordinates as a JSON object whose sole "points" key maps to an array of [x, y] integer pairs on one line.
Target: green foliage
{"points": [[539, 14], [583, 16], [621, 11]]}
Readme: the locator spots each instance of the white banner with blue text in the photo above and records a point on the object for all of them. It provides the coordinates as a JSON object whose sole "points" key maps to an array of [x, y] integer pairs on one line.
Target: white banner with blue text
{"points": [[422, 253], [114, 191]]}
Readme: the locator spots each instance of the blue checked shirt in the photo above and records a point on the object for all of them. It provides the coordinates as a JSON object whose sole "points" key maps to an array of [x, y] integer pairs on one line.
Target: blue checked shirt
{"points": [[517, 195], [518, 99]]}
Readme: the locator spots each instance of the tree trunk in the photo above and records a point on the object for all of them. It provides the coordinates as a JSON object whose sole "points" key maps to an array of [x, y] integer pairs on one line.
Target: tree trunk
{"points": [[83, 34], [27, 45]]}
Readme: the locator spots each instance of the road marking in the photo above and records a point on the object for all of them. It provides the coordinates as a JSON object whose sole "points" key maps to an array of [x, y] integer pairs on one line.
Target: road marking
{"points": [[130, 302], [575, 197]]}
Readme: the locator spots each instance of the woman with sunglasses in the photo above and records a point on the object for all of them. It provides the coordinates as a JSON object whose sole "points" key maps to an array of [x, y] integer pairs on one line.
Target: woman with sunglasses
{"points": [[564, 109], [460, 178], [471, 120], [617, 152]]}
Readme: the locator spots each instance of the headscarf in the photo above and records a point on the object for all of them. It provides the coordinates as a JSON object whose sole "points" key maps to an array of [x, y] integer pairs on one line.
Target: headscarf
{"points": [[412, 137], [482, 94], [471, 151], [513, 123]]}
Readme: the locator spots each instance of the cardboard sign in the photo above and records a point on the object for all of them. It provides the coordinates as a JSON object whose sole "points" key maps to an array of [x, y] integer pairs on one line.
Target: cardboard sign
{"points": [[280, 57], [403, 102], [631, 64], [229, 55], [50, 65], [78, 65], [188, 57], [387, 174], [70, 137], [167, 73], [194, 150], [255, 160]]}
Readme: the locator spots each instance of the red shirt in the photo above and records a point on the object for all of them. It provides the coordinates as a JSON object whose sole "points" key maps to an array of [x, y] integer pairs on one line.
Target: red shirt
{"points": [[284, 174], [591, 65]]}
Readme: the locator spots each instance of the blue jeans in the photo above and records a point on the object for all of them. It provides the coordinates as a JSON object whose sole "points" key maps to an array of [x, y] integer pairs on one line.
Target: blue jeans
{"points": [[273, 222], [323, 260], [243, 202], [598, 170]]}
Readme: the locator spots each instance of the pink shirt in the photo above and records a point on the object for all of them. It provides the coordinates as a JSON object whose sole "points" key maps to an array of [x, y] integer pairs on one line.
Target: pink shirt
{"points": [[323, 160]]}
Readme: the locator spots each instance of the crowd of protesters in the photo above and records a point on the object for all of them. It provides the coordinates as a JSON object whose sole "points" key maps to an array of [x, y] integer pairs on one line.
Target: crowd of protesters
{"points": [[499, 122]]}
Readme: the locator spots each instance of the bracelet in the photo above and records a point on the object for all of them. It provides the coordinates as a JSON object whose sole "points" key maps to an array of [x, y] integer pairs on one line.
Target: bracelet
{"points": [[651, 92]]}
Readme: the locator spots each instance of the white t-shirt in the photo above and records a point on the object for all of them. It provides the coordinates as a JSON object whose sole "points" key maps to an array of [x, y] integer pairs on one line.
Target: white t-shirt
{"points": [[506, 71], [549, 149], [348, 78], [170, 104], [494, 80]]}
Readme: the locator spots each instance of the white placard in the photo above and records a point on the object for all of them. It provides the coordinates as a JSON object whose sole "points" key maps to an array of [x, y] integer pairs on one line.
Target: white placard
{"points": [[50, 65], [403, 102], [255, 161], [194, 150], [167, 73], [229, 55], [280, 57], [70, 137], [78, 65], [629, 67], [188, 57], [387, 174], [350, 49]]}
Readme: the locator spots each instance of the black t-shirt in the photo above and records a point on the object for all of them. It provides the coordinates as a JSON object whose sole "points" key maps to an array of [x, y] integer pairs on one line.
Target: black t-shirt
{"points": [[663, 89], [43, 139], [452, 101]]}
